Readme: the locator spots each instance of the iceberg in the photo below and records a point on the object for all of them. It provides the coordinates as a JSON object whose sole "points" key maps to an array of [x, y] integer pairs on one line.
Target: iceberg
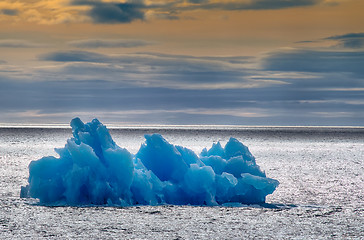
{"points": [[93, 170]]}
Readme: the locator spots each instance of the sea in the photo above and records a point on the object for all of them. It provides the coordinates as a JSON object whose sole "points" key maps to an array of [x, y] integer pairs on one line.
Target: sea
{"points": [[320, 196]]}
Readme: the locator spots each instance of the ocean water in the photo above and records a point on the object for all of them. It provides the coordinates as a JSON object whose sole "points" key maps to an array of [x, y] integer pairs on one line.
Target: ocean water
{"points": [[320, 196]]}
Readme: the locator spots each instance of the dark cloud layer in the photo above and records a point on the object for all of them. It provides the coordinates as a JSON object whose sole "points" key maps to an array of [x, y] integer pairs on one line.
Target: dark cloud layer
{"points": [[279, 4], [292, 88], [288, 105], [116, 13], [198, 1], [350, 40], [316, 61], [100, 43], [155, 62], [111, 13], [74, 56], [9, 12], [174, 71], [260, 4], [14, 43]]}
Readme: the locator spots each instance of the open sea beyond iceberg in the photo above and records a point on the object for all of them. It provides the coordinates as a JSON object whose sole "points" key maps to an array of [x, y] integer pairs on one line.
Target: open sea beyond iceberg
{"points": [[222, 182]]}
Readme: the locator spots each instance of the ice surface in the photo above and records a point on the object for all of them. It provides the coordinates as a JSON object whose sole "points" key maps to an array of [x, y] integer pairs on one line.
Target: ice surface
{"points": [[93, 170]]}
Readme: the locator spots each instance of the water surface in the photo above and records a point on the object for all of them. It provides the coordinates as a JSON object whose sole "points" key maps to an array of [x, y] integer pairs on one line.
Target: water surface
{"points": [[321, 192]]}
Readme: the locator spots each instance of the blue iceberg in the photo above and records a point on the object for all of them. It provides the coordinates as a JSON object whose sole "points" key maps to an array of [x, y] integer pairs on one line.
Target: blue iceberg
{"points": [[93, 170]]}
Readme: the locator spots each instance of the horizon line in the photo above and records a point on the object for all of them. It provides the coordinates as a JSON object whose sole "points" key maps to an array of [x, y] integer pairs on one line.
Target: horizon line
{"points": [[171, 126]]}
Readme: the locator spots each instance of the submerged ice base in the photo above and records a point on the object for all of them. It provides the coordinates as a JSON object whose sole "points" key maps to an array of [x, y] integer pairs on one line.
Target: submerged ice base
{"points": [[93, 170]]}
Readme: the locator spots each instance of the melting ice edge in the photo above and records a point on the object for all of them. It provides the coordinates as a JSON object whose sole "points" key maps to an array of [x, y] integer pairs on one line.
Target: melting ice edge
{"points": [[93, 170]]}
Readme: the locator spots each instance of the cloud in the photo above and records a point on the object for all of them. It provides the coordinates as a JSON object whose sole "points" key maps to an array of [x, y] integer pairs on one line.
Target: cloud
{"points": [[162, 70], [2, 62], [227, 59], [291, 88], [41, 12], [232, 5], [280, 4], [347, 36], [198, 1], [163, 15], [119, 102], [9, 12], [13, 43], [350, 40], [129, 11], [183, 62], [74, 56], [261, 4], [117, 12], [240, 5], [316, 61], [111, 13], [99, 43], [288, 70]]}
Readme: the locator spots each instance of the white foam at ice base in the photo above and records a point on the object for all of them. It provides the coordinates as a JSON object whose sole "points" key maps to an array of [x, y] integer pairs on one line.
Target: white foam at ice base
{"points": [[93, 170]]}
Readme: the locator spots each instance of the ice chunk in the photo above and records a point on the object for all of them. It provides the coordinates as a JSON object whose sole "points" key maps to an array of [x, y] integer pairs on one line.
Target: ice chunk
{"points": [[162, 158], [235, 148], [217, 163], [215, 150], [238, 165], [199, 184], [93, 170], [252, 189]]}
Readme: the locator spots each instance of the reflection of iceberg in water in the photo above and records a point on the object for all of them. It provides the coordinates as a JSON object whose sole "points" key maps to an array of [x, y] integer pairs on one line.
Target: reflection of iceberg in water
{"points": [[92, 169]]}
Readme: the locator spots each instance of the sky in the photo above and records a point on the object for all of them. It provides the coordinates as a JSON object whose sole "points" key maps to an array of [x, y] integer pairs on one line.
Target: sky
{"points": [[183, 62]]}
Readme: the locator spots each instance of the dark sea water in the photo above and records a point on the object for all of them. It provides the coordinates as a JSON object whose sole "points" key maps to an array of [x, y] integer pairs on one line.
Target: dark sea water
{"points": [[320, 196]]}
